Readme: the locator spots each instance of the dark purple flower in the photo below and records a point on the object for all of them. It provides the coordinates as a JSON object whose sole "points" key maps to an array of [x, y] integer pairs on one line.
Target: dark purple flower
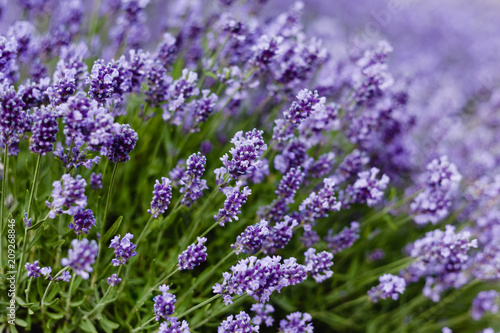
{"points": [[343, 239], [83, 220], [13, 118], [318, 265], [251, 239], [297, 322], [239, 323], [123, 142], [203, 107], [124, 249], [194, 255], [81, 257], [65, 276], [192, 184], [289, 184], [307, 103], [164, 303], [96, 181], [390, 286], [233, 203], [166, 51], [33, 269], [162, 194], [318, 205], [113, 280], [45, 128], [279, 235]]}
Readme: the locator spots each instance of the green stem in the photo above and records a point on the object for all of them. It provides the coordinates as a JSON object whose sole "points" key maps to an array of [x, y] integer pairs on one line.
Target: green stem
{"points": [[137, 329], [42, 304], [222, 309], [27, 291], [216, 223], [188, 311], [146, 227], [69, 296], [2, 203]]}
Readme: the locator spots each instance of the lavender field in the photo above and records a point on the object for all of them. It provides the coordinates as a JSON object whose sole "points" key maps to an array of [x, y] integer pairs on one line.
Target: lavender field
{"points": [[248, 166]]}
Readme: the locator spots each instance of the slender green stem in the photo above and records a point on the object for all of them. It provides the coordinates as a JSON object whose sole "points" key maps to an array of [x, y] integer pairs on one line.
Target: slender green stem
{"points": [[2, 203], [68, 300], [220, 310], [356, 301], [42, 304], [216, 223], [25, 240], [146, 227], [137, 329], [27, 291], [188, 311]]}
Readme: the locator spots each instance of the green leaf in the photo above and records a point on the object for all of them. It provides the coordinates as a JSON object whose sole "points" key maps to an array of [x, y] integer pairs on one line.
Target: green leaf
{"points": [[21, 322], [58, 244], [112, 231], [108, 325], [55, 316], [87, 326]]}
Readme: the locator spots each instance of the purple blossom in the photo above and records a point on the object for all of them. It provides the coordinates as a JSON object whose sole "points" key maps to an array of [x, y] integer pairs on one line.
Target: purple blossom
{"points": [[194, 255], [138, 64], [309, 237], [164, 303], [113, 280], [239, 323], [62, 88], [172, 325], [318, 265], [192, 184], [322, 166], [390, 286], [279, 235], [76, 157], [65, 276], [289, 184], [45, 271], [13, 118], [251, 239], [111, 80], [485, 301], [318, 205], [487, 263], [233, 203], [367, 188], [297, 322], [442, 181], [124, 249], [96, 181], [162, 194], [158, 84], [204, 106], [33, 269], [123, 142], [178, 92], [166, 51], [246, 154], [262, 314], [177, 173], [83, 220], [343, 239], [8, 66], [81, 257], [307, 103], [45, 128], [294, 155], [69, 194], [376, 255], [259, 278], [352, 164], [265, 51], [206, 147]]}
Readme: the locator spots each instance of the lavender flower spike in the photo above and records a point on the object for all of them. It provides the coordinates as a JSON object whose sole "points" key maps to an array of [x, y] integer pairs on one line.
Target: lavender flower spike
{"points": [[162, 194], [44, 130], [193, 185], [69, 193], [194, 255], [262, 314], [164, 303], [251, 239], [297, 322], [239, 323], [390, 286], [318, 265], [81, 257], [113, 280], [232, 205], [485, 301], [124, 249]]}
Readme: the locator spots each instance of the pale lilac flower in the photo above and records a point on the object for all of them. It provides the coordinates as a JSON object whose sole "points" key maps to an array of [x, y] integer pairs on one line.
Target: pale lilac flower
{"points": [[81, 257], [390, 286]]}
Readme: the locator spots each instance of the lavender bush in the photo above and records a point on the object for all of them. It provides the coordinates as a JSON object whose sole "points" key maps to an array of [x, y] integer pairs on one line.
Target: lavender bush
{"points": [[249, 166]]}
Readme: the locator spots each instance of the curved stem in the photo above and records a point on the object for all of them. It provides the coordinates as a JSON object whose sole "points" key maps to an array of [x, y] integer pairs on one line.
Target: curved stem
{"points": [[151, 218], [188, 311], [2, 203], [42, 304]]}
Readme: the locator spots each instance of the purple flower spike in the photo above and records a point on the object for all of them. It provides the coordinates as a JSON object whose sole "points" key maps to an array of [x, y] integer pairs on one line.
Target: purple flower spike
{"points": [[124, 249], [251, 239], [113, 280], [192, 184], [70, 194], [307, 103], [96, 181], [297, 322], [367, 189], [317, 206], [485, 301], [262, 314], [164, 303], [318, 265], [33, 269], [81, 257], [172, 325], [289, 184], [123, 142], [162, 194], [194, 255], [390, 286], [239, 323], [343, 239], [45, 128], [83, 220], [232, 205]]}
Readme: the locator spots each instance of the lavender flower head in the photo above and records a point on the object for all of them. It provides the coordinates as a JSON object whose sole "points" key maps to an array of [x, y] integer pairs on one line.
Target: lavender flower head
{"points": [[45, 128], [289, 184], [432, 204], [262, 314], [124, 249], [162, 194], [251, 239], [246, 154], [70, 194], [113, 280], [279, 235], [368, 189], [390, 286], [191, 181], [81, 257], [33, 269], [307, 103], [194, 255], [317, 206], [297, 322], [172, 325], [239, 323], [233, 203], [485, 301], [96, 181], [318, 265], [164, 303], [83, 220], [343, 239], [123, 142]]}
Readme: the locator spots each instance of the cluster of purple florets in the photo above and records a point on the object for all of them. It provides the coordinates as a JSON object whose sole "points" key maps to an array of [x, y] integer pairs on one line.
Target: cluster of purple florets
{"points": [[252, 238], [124, 249], [162, 194], [164, 304], [390, 286], [68, 196], [83, 220], [233, 203], [81, 257], [192, 184], [194, 255]]}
